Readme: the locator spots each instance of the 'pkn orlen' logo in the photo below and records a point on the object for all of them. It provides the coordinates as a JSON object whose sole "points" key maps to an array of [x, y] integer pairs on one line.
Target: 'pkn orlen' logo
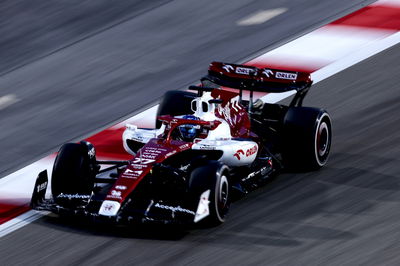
{"points": [[237, 154], [243, 70], [268, 72], [228, 68], [285, 75], [248, 153]]}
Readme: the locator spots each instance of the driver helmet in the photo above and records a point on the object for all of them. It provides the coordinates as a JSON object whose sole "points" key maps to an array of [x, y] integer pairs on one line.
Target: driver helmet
{"points": [[188, 131]]}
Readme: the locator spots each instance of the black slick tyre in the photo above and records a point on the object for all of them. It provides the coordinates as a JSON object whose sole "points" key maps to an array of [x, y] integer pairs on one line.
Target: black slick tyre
{"points": [[212, 177], [307, 138], [175, 103], [73, 171]]}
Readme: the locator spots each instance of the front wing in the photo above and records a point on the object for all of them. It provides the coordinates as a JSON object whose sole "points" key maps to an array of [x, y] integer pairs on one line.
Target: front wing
{"points": [[148, 211]]}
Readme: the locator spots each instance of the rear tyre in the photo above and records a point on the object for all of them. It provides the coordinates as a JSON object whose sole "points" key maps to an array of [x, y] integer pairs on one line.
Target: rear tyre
{"points": [[307, 138], [175, 103], [74, 171], [213, 177]]}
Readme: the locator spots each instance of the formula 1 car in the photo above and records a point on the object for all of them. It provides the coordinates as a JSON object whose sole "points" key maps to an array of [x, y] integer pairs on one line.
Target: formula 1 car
{"points": [[209, 147]]}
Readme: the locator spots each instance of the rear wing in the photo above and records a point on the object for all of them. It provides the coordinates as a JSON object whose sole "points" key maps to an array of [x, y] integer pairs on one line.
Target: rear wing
{"points": [[257, 79]]}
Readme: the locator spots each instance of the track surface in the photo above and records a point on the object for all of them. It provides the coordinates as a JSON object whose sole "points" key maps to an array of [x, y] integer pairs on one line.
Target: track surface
{"points": [[78, 66], [345, 214]]}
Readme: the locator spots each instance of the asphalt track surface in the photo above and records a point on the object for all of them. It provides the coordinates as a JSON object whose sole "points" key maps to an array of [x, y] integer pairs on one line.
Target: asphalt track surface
{"points": [[79, 66], [347, 213]]}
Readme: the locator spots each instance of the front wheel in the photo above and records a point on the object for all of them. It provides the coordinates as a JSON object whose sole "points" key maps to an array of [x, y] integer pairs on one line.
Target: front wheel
{"points": [[73, 174], [209, 185]]}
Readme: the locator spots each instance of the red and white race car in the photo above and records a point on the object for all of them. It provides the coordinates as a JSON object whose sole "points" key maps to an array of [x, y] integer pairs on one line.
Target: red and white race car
{"points": [[209, 148]]}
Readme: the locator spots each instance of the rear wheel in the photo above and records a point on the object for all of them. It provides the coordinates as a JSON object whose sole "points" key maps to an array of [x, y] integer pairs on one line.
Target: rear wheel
{"points": [[74, 171], [211, 180], [175, 103], [307, 138]]}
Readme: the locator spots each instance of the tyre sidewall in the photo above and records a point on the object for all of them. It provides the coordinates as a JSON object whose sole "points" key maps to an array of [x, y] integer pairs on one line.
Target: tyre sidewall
{"points": [[322, 134], [301, 136], [213, 176]]}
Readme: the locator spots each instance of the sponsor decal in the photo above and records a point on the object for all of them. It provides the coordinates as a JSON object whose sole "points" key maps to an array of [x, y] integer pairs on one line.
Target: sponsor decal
{"points": [[184, 146], [237, 154], [151, 156], [41, 187], [151, 153], [207, 147], [184, 167], [155, 150], [73, 196], [243, 70], [138, 172], [250, 176], [143, 160], [251, 151], [129, 172], [120, 187], [203, 209], [131, 176], [138, 166], [92, 153], [115, 194], [248, 153], [228, 68], [174, 208], [268, 72], [262, 171], [109, 208], [285, 75]]}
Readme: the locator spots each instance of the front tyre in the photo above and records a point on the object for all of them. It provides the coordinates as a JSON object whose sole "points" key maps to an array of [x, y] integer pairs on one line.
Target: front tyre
{"points": [[211, 179], [74, 171]]}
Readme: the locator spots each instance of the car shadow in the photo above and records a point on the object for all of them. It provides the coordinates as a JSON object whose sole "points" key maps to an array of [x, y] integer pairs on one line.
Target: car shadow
{"points": [[84, 226], [288, 211]]}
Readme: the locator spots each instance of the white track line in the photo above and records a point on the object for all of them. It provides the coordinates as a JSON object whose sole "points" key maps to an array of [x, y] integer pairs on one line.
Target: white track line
{"points": [[7, 100], [20, 221], [356, 57], [261, 17], [393, 3], [324, 46], [340, 65]]}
